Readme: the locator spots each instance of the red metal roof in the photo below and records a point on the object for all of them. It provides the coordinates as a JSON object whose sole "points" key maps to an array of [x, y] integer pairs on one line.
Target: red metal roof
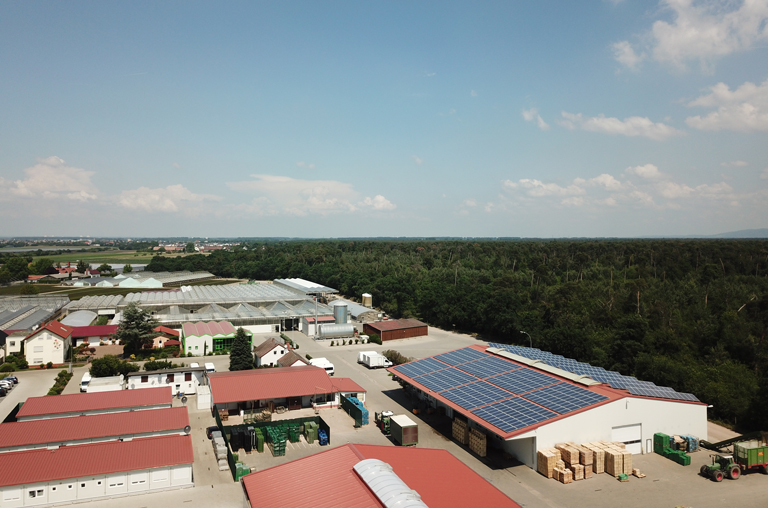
{"points": [[43, 465], [171, 342], [79, 332], [397, 324], [81, 402], [262, 384], [210, 328], [167, 331], [439, 478], [321, 319], [54, 327], [347, 385], [55, 430]]}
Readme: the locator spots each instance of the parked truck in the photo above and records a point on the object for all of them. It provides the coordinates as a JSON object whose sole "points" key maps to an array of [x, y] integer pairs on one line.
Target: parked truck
{"points": [[405, 431], [374, 360], [323, 363]]}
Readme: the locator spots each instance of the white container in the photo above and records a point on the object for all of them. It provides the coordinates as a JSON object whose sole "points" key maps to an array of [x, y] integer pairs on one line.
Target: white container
{"points": [[323, 363], [361, 353]]}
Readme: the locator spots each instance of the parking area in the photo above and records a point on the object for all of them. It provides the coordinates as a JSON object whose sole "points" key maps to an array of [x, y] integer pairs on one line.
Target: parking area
{"points": [[32, 383]]}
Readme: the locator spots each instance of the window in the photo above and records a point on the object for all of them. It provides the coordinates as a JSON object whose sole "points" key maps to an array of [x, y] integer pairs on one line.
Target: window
{"points": [[138, 482], [53, 489], [69, 487], [170, 378], [195, 348], [13, 343], [37, 360], [187, 376], [82, 485], [38, 349], [145, 379], [98, 482]]}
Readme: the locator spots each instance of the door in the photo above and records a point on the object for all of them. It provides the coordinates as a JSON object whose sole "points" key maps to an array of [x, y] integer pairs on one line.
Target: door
{"points": [[630, 435]]}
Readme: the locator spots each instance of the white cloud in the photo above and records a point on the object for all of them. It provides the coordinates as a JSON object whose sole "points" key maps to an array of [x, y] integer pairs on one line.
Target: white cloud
{"points": [[744, 109], [673, 190], [51, 178], [648, 171], [700, 31], [379, 202], [430, 74], [171, 199], [418, 160], [625, 55], [472, 93], [632, 126], [575, 201], [282, 195], [176, 165], [308, 165], [470, 202], [735, 164], [530, 115], [607, 181], [537, 188]]}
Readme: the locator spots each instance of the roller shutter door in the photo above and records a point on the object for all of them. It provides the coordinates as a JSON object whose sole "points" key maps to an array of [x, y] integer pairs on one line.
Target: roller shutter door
{"points": [[630, 435]]}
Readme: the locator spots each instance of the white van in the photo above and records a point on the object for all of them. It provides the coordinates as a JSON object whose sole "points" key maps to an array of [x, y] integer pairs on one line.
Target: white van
{"points": [[209, 367], [85, 381], [323, 363], [194, 365]]}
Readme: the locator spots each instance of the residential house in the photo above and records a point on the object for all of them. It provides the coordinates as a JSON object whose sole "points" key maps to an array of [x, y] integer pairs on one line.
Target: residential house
{"points": [[48, 344], [269, 352]]}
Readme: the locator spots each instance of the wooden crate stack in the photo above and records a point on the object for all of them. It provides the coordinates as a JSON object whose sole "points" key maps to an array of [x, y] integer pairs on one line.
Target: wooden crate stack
{"points": [[598, 457], [547, 461], [477, 442], [460, 431]]}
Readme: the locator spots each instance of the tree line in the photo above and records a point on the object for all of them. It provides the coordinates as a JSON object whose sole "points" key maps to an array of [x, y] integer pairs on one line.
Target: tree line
{"points": [[689, 314]]}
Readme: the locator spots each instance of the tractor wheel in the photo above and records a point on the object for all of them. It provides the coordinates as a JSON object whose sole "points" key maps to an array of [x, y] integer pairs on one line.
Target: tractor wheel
{"points": [[718, 476], [735, 473], [764, 469]]}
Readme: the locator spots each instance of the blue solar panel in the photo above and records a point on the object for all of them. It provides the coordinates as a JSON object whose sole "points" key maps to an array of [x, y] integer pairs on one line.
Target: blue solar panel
{"points": [[460, 356], [445, 379], [513, 414], [488, 366], [564, 397], [420, 367], [522, 380], [475, 395]]}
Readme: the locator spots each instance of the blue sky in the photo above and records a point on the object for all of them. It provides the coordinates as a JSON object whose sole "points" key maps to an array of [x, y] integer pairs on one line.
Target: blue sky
{"points": [[545, 119]]}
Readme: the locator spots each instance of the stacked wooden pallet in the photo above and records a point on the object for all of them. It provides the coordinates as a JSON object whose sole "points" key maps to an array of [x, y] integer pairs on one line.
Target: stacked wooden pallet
{"points": [[563, 475], [460, 431], [477, 442], [547, 461], [598, 457]]}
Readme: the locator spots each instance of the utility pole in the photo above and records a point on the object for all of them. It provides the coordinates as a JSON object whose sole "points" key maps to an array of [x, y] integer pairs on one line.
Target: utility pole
{"points": [[315, 335], [529, 337]]}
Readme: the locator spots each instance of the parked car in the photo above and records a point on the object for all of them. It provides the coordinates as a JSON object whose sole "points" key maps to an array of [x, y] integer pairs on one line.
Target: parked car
{"points": [[8, 385], [14, 379], [2, 392]]}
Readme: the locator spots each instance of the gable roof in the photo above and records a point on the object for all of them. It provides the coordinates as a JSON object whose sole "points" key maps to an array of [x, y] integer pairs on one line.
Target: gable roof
{"points": [[267, 346], [210, 328], [167, 331], [81, 402], [263, 384], [93, 331], [396, 324], [43, 465], [290, 358], [56, 430], [54, 327], [436, 475]]}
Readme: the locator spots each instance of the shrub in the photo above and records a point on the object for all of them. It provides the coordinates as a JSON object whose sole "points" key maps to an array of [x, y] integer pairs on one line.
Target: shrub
{"points": [[49, 365], [357, 341], [159, 365], [375, 339], [395, 357], [344, 342], [7, 367], [333, 343], [309, 356]]}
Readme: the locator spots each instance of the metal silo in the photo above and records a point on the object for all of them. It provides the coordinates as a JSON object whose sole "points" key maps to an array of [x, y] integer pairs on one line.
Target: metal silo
{"points": [[340, 313]]}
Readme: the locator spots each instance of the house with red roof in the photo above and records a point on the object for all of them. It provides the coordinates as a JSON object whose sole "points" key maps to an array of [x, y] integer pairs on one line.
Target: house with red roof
{"points": [[370, 476], [269, 352], [50, 343], [166, 334], [93, 335], [200, 338], [71, 474]]}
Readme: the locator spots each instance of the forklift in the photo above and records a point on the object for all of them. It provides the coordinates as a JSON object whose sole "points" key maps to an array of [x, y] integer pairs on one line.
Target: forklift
{"points": [[382, 421]]}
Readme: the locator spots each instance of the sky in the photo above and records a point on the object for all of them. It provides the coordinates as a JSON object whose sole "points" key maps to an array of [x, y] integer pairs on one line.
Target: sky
{"points": [[600, 118]]}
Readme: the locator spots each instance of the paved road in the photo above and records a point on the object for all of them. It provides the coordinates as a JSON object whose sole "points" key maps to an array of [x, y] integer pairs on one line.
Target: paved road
{"points": [[32, 383]]}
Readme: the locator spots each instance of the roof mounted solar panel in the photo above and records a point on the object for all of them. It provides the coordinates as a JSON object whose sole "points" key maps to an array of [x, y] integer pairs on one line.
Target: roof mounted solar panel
{"points": [[445, 379], [488, 366], [513, 414], [564, 398], [420, 367], [460, 356], [475, 394], [522, 380]]}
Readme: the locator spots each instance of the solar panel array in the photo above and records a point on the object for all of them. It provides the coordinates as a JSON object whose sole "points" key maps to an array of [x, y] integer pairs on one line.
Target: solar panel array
{"points": [[522, 380], [513, 414], [615, 379], [505, 394], [564, 398], [475, 395], [488, 366]]}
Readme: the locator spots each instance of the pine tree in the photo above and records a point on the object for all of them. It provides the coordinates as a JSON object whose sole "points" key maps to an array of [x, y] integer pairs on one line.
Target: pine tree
{"points": [[240, 357], [136, 329]]}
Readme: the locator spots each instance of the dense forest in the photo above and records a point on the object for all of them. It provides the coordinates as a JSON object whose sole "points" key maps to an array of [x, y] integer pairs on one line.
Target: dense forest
{"points": [[689, 314]]}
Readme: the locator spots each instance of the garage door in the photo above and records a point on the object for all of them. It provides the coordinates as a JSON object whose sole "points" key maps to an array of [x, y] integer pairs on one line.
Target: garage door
{"points": [[630, 435]]}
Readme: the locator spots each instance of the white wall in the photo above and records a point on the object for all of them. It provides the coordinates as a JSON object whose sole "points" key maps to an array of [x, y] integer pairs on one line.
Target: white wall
{"points": [[179, 384], [93, 487], [45, 347], [195, 345], [260, 328], [272, 356]]}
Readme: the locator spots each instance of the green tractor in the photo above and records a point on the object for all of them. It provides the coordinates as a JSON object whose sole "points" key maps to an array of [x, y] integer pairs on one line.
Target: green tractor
{"points": [[722, 466]]}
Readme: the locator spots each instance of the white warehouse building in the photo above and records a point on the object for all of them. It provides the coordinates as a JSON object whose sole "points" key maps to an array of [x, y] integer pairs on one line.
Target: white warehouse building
{"points": [[526, 400]]}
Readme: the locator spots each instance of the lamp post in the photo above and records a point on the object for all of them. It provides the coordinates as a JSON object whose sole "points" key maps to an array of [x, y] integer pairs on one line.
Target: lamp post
{"points": [[529, 337]]}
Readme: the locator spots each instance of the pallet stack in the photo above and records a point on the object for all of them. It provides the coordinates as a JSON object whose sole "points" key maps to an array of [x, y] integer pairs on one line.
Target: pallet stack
{"points": [[614, 462], [478, 442], [547, 461], [460, 431], [598, 456]]}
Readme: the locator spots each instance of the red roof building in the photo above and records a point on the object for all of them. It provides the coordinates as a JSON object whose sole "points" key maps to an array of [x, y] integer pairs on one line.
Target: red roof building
{"points": [[76, 404], [211, 328], [58, 431], [54, 327], [396, 329], [98, 331], [169, 332], [43, 465], [439, 478], [277, 383]]}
